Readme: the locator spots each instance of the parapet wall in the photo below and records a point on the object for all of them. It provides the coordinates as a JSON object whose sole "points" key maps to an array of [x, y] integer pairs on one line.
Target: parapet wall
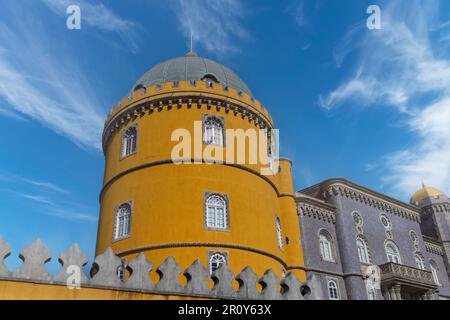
{"points": [[32, 280]]}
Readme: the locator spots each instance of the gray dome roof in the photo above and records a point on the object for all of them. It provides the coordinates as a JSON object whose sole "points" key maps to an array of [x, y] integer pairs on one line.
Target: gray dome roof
{"points": [[191, 67]]}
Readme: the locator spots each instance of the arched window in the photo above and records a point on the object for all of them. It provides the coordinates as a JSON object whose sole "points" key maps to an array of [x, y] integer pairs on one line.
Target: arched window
{"points": [[420, 264], [392, 252], [216, 212], [333, 291], [435, 272], [279, 233], [123, 221], [363, 250], [210, 79], [129, 141], [213, 131], [371, 293], [326, 246], [216, 260]]}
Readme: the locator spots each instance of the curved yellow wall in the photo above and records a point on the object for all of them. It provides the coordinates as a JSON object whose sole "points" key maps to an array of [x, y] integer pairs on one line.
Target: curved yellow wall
{"points": [[168, 199]]}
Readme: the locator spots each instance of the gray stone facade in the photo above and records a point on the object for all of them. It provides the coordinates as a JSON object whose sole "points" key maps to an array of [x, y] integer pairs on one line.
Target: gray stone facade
{"points": [[420, 230]]}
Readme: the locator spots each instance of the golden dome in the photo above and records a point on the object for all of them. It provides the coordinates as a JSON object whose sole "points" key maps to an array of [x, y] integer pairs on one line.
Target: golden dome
{"points": [[426, 192]]}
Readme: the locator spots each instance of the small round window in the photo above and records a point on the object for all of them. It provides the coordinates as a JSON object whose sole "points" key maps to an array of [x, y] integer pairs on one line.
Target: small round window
{"points": [[385, 221]]}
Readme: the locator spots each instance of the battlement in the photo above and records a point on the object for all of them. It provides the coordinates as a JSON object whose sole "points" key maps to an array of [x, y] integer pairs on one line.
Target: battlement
{"points": [[145, 94], [104, 276]]}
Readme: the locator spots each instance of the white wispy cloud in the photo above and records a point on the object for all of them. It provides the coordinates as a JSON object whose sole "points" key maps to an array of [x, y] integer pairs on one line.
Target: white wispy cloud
{"points": [[56, 207], [45, 185], [404, 68], [297, 10], [36, 198], [40, 82], [215, 25], [38, 184], [71, 215]]}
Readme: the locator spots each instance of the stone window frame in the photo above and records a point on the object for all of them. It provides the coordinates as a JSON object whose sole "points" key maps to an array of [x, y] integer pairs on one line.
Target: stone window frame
{"points": [[389, 226], [368, 251], [211, 253], [358, 224], [419, 255], [434, 265], [117, 239], [225, 196], [390, 241], [205, 117], [332, 246], [122, 136], [338, 290]]}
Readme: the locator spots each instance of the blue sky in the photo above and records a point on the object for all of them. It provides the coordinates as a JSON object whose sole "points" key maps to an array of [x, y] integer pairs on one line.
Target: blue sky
{"points": [[372, 106]]}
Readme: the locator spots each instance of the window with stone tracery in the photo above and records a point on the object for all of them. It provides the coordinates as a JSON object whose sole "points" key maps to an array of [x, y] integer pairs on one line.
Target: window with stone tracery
{"points": [[435, 272], [326, 246], [123, 221], [213, 131], [216, 214], [392, 252], [216, 260], [363, 250], [129, 142], [333, 290], [420, 263]]}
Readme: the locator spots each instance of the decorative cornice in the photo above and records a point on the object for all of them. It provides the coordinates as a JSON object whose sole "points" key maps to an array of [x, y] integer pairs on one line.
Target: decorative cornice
{"points": [[433, 246], [350, 190], [315, 209], [150, 105], [441, 207]]}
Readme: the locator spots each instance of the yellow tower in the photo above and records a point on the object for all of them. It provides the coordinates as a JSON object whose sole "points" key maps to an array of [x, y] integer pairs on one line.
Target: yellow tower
{"points": [[218, 212]]}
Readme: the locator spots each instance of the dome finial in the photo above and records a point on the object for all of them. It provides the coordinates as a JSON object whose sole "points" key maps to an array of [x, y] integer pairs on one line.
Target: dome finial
{"points": [[423, 185], [191, 52]]}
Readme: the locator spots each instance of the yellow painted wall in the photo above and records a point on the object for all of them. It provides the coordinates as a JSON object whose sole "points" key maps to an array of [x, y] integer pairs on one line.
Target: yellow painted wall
{"points": [[16, 290], [168, 199]]}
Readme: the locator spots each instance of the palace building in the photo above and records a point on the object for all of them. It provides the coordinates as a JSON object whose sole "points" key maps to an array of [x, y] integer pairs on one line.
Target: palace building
{"points": [[202, 226], [361, 244]]}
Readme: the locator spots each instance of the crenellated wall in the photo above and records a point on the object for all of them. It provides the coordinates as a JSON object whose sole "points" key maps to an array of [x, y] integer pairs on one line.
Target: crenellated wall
{"points": [[32, 280]]}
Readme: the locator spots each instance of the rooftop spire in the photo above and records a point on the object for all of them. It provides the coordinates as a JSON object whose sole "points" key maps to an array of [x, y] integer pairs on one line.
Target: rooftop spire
{"points": [[191, 52]]}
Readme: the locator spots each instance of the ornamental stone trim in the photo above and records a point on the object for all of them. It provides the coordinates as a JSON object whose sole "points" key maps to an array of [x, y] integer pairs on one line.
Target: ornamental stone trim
{"points": [[316, 212], [440, 208], [140, 109], [339, 189], [433, 247], [398, 273]]}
